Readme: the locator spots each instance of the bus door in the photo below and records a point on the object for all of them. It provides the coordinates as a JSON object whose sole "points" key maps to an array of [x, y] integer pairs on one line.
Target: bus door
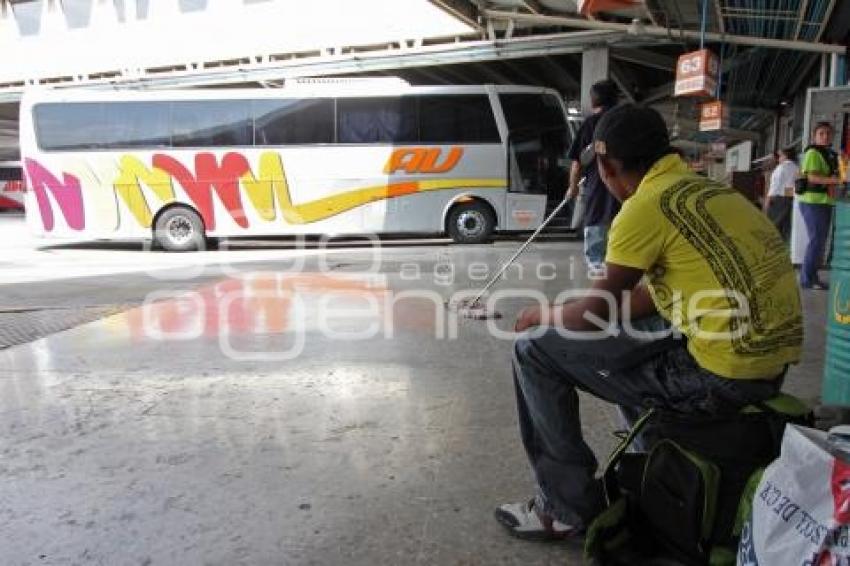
{"points": [[538, 176], [536, 147], [525, 204]]}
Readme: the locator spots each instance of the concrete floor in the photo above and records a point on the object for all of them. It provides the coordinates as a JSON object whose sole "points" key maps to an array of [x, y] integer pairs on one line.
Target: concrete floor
{"points": [[187, 431]]}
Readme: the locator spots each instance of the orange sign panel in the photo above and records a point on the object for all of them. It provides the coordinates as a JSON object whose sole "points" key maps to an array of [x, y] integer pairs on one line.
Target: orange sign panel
{"points": [[587, 7], [696, 74], [711, 116]]}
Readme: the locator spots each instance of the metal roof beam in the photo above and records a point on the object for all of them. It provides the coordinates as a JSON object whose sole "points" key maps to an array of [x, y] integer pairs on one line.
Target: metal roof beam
{"points": [[564, 80], [802, 16], [649, 14], [804, 75], [718, 10], [618, 76], [646, 58], [534, 7], [319, 65], [659, 93], [493, 74], [659, 32], [692, 126], [461, 9], [430, 75], [454, 76], [823, 25], [526, 77]]}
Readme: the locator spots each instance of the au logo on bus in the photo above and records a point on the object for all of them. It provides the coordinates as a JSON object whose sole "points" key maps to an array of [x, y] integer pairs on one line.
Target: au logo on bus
{"points": [[414, 160]]}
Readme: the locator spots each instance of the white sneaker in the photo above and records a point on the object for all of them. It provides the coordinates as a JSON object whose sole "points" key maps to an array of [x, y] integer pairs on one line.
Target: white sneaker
{"points": [[524, 521]]}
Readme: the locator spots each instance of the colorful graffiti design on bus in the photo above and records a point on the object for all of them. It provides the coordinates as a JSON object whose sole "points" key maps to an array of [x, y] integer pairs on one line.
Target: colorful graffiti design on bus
{"points": [[267, 193]]}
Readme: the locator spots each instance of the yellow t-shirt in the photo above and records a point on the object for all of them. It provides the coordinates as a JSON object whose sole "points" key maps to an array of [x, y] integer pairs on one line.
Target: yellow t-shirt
{"points": [[716, 268]]}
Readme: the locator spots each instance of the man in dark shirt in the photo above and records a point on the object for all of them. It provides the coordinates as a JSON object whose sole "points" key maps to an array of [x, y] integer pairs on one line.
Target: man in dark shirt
{"points": [[600, 206]]}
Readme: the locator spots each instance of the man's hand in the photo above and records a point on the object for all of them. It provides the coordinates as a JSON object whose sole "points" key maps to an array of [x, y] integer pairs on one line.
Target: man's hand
{"points": [[575, 176], [572, 314], [528, 318]]}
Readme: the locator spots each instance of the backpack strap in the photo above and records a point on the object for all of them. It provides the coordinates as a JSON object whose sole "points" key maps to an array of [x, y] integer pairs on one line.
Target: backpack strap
{"points": [[609, 480], [831, 160], [784, 405], [609, 538], [830, 157]]}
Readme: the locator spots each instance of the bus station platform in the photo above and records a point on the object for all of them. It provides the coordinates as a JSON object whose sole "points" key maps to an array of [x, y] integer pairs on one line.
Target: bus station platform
{"points": [[259, 414]]}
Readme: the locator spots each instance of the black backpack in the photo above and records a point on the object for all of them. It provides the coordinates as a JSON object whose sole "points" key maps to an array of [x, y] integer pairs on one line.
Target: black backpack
{"points": [[802, 185], [684, 501]]}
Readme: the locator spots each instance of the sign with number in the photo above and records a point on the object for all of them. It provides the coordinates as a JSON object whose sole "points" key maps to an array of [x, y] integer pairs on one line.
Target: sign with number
{"points": [[696, 74], [711, 116]]}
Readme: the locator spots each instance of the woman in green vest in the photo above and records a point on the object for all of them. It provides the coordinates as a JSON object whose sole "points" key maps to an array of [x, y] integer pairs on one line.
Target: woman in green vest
{"points": [[819, 170]]}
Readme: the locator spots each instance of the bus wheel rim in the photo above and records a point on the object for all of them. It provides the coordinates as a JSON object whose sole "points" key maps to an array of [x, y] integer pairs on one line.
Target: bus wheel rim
{"points": [[179, 229], [470, 223]]}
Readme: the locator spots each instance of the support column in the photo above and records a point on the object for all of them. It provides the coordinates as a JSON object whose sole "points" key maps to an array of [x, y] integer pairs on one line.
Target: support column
{"points": [[8, 29], [824, 70], [777, 124], [594, 68], [833, 70]]}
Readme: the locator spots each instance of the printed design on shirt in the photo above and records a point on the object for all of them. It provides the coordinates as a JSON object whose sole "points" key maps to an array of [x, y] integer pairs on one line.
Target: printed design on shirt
{"points": [[665, 298], [737, 265]]}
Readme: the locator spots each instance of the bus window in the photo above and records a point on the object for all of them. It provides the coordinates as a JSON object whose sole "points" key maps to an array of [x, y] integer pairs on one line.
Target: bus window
{"points": [[532, 112], [62, 126], [304, 121], [211, 123], [92, 125], [377, 120], [538, 141], [136, 124], [457, 119]]}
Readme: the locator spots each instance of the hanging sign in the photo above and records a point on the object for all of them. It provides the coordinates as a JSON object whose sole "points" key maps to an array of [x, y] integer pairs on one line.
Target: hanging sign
{"points": [[712, 116], [588, 7], [696, 74], [717, 151], [718, 148]]}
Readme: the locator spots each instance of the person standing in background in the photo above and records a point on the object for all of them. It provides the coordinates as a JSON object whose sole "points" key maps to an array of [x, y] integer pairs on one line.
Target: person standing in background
{"points": [[819, 173], [779, 202], [600, 205]]}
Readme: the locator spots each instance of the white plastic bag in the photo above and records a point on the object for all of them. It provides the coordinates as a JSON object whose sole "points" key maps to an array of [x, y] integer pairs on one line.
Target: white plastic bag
{"points": [[801, 509]]}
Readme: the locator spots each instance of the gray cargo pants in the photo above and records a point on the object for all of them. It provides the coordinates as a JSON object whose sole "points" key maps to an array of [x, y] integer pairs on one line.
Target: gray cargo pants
{"points": [[549, 367]]}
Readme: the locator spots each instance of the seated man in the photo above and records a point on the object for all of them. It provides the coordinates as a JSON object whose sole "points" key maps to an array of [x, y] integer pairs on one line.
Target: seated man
{"points": [[714, 267]]}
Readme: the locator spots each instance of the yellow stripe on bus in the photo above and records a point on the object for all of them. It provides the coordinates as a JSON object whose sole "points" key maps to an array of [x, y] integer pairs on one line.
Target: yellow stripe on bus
{"points": [[272, 185], [128, 188], [441, 184], [272, 178]]}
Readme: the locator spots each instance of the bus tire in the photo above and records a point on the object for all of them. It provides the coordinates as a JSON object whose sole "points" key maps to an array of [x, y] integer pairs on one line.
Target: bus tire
{"points": [[471, 223], [180, 229]]}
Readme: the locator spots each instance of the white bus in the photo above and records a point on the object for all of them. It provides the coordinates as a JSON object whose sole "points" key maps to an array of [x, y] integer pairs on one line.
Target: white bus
{"points": [[186, 166]]}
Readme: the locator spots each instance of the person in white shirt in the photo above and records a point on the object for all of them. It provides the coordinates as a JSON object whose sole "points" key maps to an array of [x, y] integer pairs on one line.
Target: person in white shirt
{"points": [[779, 203]]}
